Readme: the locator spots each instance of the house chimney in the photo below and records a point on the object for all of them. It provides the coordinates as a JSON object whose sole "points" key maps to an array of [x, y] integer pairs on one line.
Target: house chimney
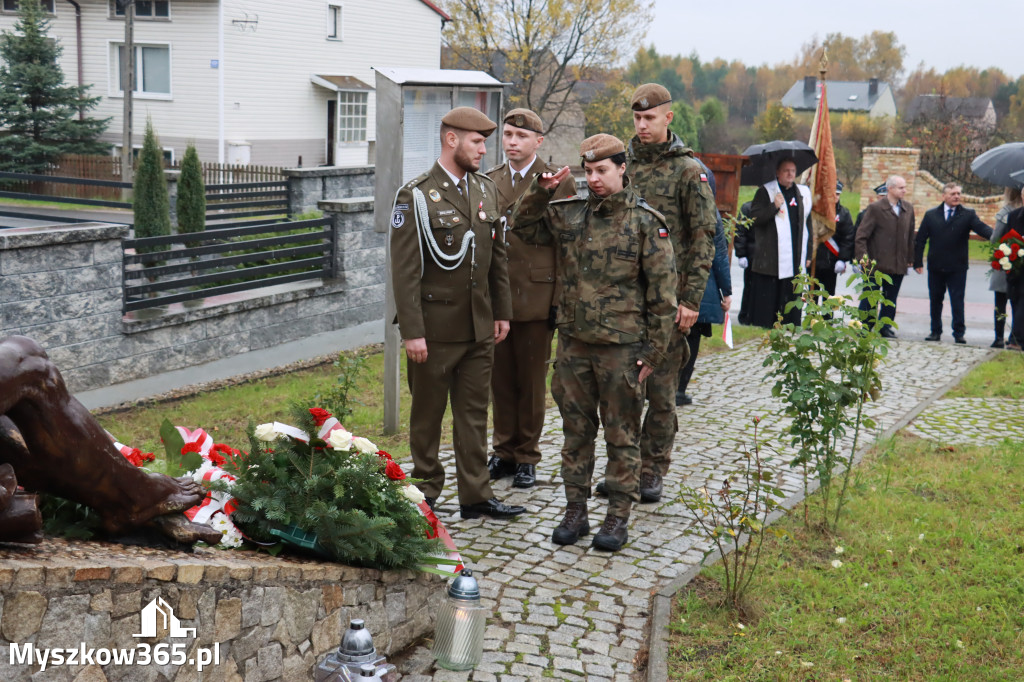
{"points": [[872, 87], [810, 85]]}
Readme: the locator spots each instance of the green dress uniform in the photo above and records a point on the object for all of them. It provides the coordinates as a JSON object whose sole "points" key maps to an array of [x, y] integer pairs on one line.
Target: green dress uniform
{"points": [[615, 305], [518, 382], [450, 280], [669, 177]]}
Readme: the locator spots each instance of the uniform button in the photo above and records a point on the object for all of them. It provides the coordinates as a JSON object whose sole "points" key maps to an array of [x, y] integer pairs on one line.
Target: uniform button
{"points": [[585, 269], [430, 297], [590, 239]]}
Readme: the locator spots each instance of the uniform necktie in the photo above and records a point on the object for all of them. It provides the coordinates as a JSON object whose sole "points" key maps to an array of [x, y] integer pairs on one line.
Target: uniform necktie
{"points": [[515, 178], [463, 188]]}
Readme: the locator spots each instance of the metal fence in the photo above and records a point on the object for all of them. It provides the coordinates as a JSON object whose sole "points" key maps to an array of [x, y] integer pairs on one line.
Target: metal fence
{"points": [[956, 167], [226, 203], [158, 271]]}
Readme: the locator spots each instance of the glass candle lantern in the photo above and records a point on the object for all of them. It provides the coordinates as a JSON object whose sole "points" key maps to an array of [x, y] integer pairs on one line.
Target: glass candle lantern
{"points": [[459, 638]]}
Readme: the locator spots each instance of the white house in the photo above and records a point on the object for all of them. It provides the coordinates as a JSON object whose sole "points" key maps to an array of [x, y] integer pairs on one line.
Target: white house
{"points": [[871, 97], [248, 81]]}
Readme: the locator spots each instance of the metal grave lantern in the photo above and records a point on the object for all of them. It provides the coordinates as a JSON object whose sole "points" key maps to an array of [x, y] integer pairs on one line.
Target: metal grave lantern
{"points": [[356, 659], [459, 638]]}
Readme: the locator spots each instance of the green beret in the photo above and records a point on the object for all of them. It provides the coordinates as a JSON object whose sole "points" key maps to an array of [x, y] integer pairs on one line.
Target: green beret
{"points": [[601, 146], [468, 118], [525, 119], [648, 96]]}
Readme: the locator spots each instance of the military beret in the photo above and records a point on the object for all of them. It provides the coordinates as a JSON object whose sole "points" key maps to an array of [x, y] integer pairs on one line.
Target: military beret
{"points": [[525, 119], [881, 190], [648, 96], [839, 186], [601, 146], [468, 118]]}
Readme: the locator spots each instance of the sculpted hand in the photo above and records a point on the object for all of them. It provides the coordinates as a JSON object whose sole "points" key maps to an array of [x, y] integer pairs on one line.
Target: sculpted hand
{"points": [[645, 371], [549, 181], [416, 350], [501, 328]]}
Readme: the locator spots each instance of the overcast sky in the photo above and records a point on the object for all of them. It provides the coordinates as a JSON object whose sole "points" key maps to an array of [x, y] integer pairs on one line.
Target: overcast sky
{"points": [[980, 33]]}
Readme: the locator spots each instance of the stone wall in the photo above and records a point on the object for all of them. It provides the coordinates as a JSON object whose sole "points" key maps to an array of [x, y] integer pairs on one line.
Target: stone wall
{"points": [[270, 620], [61, 285], [308, 186], [924, 190]]}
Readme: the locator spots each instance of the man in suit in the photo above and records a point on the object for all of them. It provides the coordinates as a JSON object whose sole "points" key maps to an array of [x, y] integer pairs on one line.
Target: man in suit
{"points": [[886, 236], [518, 382], [948, 226], [451, 289]]}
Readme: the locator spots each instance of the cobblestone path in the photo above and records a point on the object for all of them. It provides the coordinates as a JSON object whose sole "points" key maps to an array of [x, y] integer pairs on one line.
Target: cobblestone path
{"points": [[573, 613], [970, 421]]}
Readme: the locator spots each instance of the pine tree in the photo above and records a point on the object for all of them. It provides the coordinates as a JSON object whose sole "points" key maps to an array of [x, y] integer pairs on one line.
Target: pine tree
{"points": [[37, 110], [152, 206], [191, 194]]}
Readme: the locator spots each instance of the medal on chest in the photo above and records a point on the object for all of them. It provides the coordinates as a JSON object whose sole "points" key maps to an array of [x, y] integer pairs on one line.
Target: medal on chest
{"points": [[449, 238]]}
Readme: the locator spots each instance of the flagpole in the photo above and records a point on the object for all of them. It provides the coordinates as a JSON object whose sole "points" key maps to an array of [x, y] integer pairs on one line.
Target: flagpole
{"points": [[822, 70]]}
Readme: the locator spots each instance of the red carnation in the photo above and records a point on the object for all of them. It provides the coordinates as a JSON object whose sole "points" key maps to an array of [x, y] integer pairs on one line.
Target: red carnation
{"points": [[393, 471], [190, 447], [320, 415]]}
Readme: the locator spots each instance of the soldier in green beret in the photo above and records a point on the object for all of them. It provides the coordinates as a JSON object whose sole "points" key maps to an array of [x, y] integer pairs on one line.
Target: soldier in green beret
{"points": [[519, 380], [615, 309], [450, 281], [665, 173]]}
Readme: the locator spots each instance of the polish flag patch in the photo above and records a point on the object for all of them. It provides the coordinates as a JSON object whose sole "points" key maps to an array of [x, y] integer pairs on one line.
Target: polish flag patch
{"points": [[703, 177], [663, 232]]}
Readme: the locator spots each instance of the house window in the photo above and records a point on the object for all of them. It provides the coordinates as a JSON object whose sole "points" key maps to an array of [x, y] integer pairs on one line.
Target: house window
{"points": [[144, 9], [352, 116], [334, 22], [152, 69], [167, 152], [48, 5]]}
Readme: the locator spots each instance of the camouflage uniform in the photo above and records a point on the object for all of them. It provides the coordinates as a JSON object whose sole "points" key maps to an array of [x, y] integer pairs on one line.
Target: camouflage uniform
{"points": [[669, 177], [616, 304]]}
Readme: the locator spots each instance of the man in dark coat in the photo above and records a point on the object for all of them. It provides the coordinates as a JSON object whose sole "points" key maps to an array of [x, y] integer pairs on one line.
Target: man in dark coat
{"points": [[948, 226], [887, 236], [834, 254]]}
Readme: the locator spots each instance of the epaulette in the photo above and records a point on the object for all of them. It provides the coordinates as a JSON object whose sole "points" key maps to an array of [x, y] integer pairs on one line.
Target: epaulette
{"points": [[417, 180], [642, 203], [496, 168], [574, 197]]}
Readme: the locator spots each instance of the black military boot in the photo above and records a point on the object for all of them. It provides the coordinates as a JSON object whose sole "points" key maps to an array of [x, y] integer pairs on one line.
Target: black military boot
{"points": [[526, 476], [500, 468], [574, 526], [613, 534], [650, 487]]}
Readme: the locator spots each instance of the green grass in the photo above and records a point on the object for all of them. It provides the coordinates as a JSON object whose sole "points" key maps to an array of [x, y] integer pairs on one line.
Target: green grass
{"points": [[930, 586], [1002, 377], [53, 204]]}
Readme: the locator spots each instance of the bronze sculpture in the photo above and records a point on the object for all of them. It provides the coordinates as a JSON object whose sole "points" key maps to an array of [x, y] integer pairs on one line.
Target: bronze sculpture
{"points": [[56, 446]]}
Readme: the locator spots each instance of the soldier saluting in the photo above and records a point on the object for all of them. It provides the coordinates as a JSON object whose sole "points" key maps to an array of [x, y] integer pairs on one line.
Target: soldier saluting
{"points": [[615, 309], [451, 292], [518, 383]]}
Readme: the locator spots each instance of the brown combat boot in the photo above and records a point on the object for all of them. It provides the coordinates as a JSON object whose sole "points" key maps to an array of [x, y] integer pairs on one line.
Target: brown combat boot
{"points": [[650, 487], [574, 526], [612, 535]]}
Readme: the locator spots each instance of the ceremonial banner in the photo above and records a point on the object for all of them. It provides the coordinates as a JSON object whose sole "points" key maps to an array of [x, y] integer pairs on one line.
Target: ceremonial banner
{"points": [[823, 175]]}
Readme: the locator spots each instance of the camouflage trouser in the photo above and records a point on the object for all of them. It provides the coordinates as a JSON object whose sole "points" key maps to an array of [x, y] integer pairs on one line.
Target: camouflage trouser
{"points": [[660, 423], [595, 381]]}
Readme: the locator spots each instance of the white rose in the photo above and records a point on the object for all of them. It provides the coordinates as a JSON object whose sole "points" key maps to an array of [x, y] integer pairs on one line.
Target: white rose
{"points": [[364, 446], [1005, 263], [266, 432], [340, 439], [413, 493], [1005, 248]]}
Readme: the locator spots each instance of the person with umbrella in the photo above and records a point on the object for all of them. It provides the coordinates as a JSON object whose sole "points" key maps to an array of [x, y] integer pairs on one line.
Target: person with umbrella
{"points": [[782, 236]]}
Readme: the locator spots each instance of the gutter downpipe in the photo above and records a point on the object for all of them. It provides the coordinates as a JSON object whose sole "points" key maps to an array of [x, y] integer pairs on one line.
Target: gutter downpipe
{"points": [[78, 36]]}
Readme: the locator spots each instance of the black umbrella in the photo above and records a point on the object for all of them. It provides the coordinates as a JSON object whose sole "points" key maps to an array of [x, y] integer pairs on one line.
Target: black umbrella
{"points": [[997, 165], [765, 157]]}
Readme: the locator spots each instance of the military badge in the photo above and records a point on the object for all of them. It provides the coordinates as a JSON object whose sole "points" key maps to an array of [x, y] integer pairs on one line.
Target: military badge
{"points": [[434, 195], [703, 177], [397, 218], [663, 232], [792, 202], [589, 155], [643, 103], [520, 121]]}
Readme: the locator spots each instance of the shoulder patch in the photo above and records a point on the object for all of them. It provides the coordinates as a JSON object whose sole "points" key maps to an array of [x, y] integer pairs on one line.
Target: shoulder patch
{"points": [[703, 177], [662, 231], [397, 218]]}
